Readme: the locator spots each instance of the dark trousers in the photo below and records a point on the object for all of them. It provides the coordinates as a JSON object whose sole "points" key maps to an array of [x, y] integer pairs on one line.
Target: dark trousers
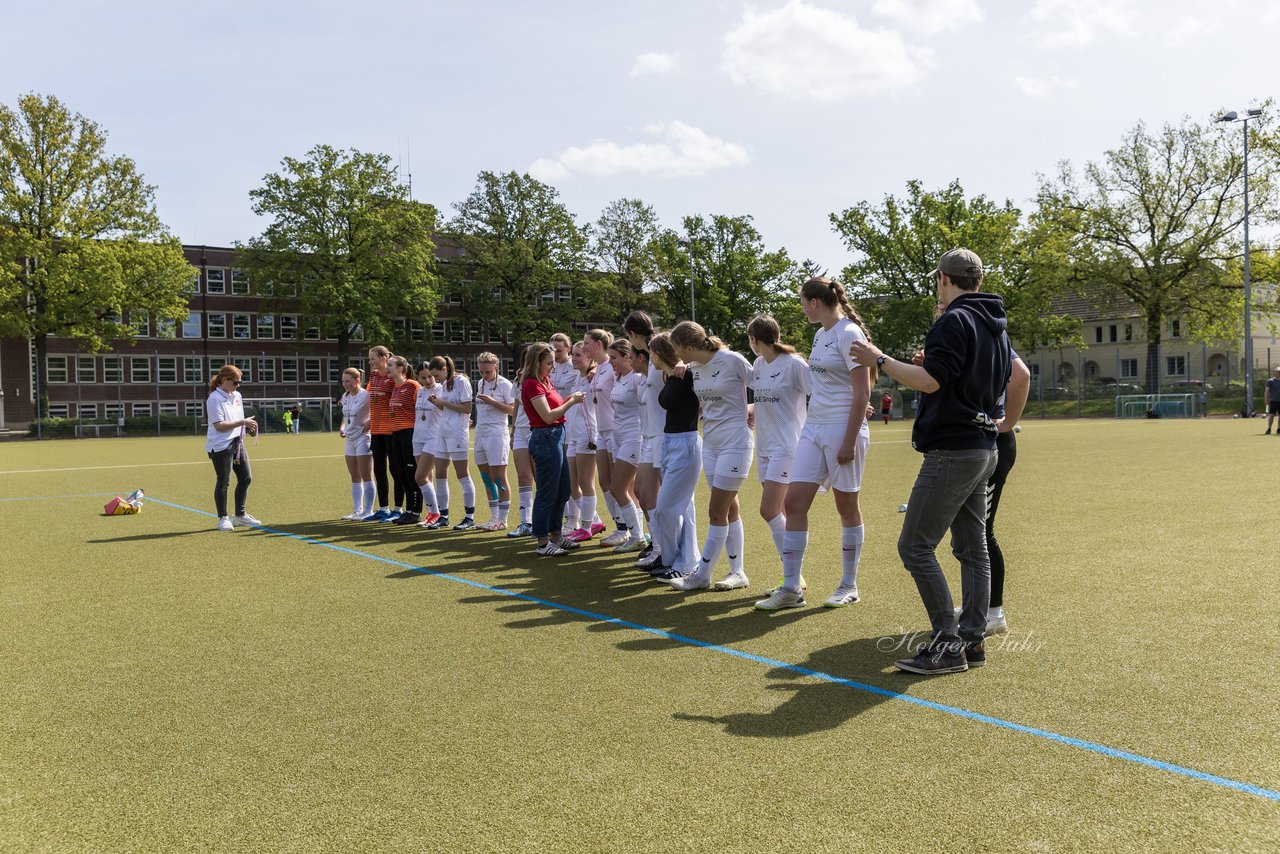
{"points": [[404, 470], [1006, 456], [381, 447], [551, 471], [224, 463]]}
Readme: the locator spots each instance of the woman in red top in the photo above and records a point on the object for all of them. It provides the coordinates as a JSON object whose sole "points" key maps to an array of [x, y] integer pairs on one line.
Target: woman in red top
{"points": [[401, 414], [546, 409]]}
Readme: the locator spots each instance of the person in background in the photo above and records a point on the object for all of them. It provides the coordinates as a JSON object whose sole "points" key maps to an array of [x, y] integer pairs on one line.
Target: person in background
{"points": [[1271, 400], [224, 443]]}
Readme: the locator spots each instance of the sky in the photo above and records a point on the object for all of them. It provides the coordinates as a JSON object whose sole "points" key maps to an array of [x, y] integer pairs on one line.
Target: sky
{"points": [[784, 111]]}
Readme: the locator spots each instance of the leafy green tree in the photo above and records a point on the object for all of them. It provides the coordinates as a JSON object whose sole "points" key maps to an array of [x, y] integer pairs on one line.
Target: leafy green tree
{"points": [[623, 245], [524, 260], [1157, 223], [897, 245], [83, 254], [347, 241], [723, 262]]}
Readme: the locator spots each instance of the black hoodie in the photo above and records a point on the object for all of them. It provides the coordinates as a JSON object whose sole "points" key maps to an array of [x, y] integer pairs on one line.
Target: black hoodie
{"points": [[967, 352]]}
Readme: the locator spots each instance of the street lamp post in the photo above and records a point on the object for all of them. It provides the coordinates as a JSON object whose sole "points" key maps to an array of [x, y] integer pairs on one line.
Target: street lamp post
{"points": [[1248, 308]]}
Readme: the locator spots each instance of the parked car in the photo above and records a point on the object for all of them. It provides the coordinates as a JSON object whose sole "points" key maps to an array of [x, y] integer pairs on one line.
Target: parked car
{"points": [[1120, 388], [1185, 386]]}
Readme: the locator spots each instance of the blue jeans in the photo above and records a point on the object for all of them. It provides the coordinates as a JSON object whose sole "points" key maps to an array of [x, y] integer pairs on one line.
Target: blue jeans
{"points": [[551, 471], [950, 492]]}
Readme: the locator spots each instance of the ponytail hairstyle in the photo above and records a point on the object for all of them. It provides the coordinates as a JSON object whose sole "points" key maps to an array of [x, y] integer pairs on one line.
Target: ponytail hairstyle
{"points": [[692, 336], [601, 336], [400, 362], [560, 338], [831, 293], [226, 372], [533, 356], [444, 363], [663, 350], [766, 330], [487, 358], [380, 351], [621, 346], [638, 323], [357, 373]]}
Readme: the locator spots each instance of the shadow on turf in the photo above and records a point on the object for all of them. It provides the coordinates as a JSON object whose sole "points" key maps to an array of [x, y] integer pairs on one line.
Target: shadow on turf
{"points": [[140, 537]]}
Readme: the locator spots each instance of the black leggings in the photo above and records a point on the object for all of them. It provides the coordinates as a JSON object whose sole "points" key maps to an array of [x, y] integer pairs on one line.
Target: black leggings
{"points": [[404, 469], [381, 447], [224, 463], [1006, 456]]}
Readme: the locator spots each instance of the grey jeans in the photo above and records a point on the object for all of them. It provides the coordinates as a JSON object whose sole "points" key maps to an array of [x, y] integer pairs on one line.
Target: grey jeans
{"points": [[950, 492]]}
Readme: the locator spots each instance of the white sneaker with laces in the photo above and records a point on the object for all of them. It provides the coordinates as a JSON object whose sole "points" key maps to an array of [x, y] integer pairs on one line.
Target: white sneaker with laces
{"points": [[733, 581], [244, 520], [692, 581], [549, 549], [630, 544], [842, 597], [224, 524], [781, 598], [996, 626], [355, 516], [653, 558], [617, 538]]}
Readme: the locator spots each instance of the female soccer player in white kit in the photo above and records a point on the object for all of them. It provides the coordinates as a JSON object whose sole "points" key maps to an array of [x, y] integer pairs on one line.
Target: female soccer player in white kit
{"points": [[359, 456], [596, 344], [520, 435], [676, 530], [454, 401], [781, 385], [628, 390], [720, 379], [584, 445], [426, 438], [639, 330], [832, 447], [495, 403]]}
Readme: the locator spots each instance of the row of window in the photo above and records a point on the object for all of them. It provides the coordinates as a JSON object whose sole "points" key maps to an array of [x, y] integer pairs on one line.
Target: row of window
{"points": [[117, 409], [193, 370], [1174, 366], [1113, 332], [246, 327]]}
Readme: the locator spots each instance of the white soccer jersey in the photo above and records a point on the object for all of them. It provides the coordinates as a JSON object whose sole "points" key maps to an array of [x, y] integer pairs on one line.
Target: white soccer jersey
{"points": [[781, 387], [829, 365], [721, 385], [580, 421], [355, 411], [601, 395], [628, 390], [426, 417], [563, 377], [489, 418], [454, 423], [522, 417], [653, 418]]}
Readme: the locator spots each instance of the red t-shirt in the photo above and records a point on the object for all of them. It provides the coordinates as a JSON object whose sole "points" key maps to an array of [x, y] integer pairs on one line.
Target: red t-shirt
{"points": [[531, 388], [401, 405], [380, 386]]}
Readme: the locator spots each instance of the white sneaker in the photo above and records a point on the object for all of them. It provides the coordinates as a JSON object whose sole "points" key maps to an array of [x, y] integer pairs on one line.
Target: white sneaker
{"points": [[224, 524], [244, 520], [550, 549], [733, 581], [692, 581], [995, 626], [630, 544], [356, 516], [842, 597], [567, 530], [617, 538], [653, 558], [781, 598]]}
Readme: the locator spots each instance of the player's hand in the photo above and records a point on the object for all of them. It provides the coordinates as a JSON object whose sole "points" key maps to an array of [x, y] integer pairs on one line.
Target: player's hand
{"points": [[848, 450], [484, 398], [678, 370], [918, 358], [439, 402], [576, 398], [871, 412], [250, 425], [864, 352]]}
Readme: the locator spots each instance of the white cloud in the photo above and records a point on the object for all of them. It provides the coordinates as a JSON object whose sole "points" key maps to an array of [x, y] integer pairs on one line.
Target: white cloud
{"points": [[807, 52], [679, 149], [1188, 30], [1038, 87], [930, 16], [1078, 23], [653, 63]]}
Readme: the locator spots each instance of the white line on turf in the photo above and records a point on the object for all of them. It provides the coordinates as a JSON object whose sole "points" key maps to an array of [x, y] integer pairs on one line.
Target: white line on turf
{"points": [[157, 465]]}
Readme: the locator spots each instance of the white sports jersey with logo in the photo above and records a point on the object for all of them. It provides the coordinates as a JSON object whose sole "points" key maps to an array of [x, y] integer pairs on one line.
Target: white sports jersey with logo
{"points": [[781, 387], [653, 419], [563, 377], [522, 417], [581, 419], [426, 417], [355, 410], [601, 391], [455, 423], [490, 419], [829, 367], [721, 385], [628, 390]]}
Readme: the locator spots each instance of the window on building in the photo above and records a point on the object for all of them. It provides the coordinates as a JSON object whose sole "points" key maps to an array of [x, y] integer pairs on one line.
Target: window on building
{"points": [[288, 326], [86, 369], [1175, 328], [1175, 366], [166, 328], [140, 370], [191, 327], [564, 295], [87, 411], [1097, 335], [216, 280], [240, 325], [495, 334], [55, 369], [438, 330], [167, 369], [266, 370], [311, 370], [477, 334], [239, 283], [1128, 369], [417, 331], [456, 332], [334, 372], [192, 370], [112, 411], [357, 334], [266, 326], [217, 326], [141, 409], [549, 297], [246, 368], [507, 368], [141, 323], [169, 408], [311, 333], [59, 410], [1128, 332], [195, 408], [288, 370], [112, 369], [1111, 333], [193, 284], [460, 365], [454, 298]]}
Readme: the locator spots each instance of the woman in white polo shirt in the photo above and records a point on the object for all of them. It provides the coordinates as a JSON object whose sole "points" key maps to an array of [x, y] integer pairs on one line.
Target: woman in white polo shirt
{"points": [[224, 443], [359, 455]]}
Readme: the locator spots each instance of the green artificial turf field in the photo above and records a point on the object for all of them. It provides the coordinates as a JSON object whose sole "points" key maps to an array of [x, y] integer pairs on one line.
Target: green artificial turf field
{"points": [[166, 687]]}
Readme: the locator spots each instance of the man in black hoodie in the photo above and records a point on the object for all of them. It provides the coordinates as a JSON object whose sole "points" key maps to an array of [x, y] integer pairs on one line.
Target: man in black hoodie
{"points": [[966, 368]]}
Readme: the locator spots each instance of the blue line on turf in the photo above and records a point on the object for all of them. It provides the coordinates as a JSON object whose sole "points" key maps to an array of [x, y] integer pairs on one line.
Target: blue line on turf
{"points": [[1048, 735], [52, 497]]}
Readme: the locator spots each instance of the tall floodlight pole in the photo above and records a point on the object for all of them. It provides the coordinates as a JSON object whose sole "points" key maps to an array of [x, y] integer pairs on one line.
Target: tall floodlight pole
{"points": [[693, 273], [1248, 296]]}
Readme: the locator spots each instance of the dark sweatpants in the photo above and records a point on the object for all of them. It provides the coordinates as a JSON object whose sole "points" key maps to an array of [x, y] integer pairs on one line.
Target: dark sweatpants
{"points": [[224, 463]]}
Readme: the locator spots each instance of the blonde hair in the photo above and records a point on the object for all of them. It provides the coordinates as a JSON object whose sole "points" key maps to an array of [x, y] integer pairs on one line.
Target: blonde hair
{"points": [[487, 358], [355, 372], [380, 351], [533, 356], [692, 336], [559, 338], [766, 330], [226, 372], [663, 350]]}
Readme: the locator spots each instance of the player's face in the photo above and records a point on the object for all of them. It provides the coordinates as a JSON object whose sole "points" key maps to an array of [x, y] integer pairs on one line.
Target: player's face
{"points": [[439, 374], [349, 382], [812, 309], [637, 341], [425, 377], [751, 340], [621, 364], [544, 365], [488, 370], [561, 350]]}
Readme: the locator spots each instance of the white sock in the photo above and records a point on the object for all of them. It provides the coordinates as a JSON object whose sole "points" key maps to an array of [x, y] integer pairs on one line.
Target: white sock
{"points": [[653, 528], [357, 498], [504, 510], [428, 497], [571, 514], [468, 494], [526, 505], [493, 509], [995, 612], [716, 535], [612, 503], [442, 495], [734, 543], [370, 495], [778, 527], [587, 510], [793, 545], [631, 516], [850, 551]]}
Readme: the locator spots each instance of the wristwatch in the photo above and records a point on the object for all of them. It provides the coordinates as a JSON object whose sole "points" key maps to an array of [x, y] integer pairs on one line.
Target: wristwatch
{"points": [[880, 360]]}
